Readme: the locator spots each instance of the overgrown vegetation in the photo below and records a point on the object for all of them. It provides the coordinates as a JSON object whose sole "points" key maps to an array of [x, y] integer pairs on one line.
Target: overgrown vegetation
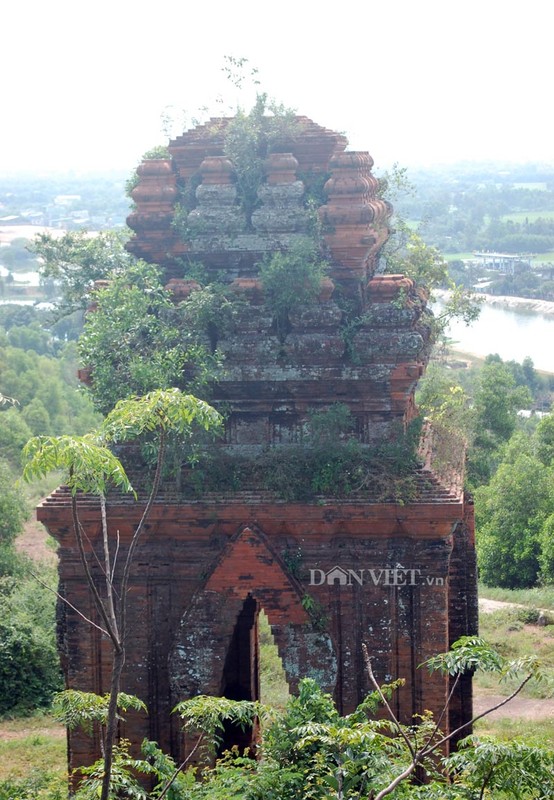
{"points": [[249, 138], [154, 349], [292, 279], [308, 750], [510, 466], [324, 464]]}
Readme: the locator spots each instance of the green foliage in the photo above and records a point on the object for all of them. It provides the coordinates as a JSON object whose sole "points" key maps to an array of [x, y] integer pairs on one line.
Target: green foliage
{"points": [[39, 785], [48, 398], [85, 710], [545, 440], [338, 469], [309, 751], [30, 337], [467, 654], [510, 513], [416, 260], [77, 259], [209, 715], [546, 548], [513, 769], [14, 432], [443, 401], [29, 664], [498, 398], [495, 404], [89, 465], [153, 351], [124, 782], [167, 777], [160, 410], [316, 612], [92, 468], [249, 138], [13, 508], [211, 312], [292, 279], [331, 424]]}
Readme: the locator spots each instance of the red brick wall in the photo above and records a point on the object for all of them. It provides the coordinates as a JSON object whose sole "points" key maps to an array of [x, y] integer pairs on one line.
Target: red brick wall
{"points": [[198, 563]]}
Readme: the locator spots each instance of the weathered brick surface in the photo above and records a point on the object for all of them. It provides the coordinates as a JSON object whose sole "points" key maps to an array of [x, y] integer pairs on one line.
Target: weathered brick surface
{"points": [[331, 573], [198, 564]]}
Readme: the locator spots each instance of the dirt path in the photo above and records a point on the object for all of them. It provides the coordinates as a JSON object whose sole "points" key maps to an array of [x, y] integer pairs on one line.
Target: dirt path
{"points": [[488, 606], [518, 708], [14, 730], [33, 541]]}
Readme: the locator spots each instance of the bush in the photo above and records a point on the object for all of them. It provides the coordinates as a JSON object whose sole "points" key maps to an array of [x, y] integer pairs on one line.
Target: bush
{"points": [[38, 786], [29, 663], [13, 508], [292, 279]]}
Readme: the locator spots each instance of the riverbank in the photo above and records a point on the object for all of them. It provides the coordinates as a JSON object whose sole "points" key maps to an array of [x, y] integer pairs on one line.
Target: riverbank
{"points": [[513, 327], [524, 304], [544, 307]]}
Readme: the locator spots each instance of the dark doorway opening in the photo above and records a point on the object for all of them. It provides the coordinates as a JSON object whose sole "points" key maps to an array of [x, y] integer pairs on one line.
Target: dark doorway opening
{"points": [[241, 673], [253, 671]]}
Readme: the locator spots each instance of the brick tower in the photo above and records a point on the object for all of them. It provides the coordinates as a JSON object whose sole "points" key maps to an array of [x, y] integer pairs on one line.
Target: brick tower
{"points": [[385, 561]]}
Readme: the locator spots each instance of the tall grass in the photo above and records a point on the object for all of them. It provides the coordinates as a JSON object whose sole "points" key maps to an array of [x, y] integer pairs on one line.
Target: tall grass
{"points": [[539, 597], [509, 632]]}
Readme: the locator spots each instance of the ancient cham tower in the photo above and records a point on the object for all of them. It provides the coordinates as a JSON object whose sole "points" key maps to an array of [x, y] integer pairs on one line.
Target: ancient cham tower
{"points": [[341, 539]]}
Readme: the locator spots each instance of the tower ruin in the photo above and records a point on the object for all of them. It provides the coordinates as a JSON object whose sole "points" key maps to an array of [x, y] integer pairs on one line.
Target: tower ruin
{"points": [[378, 551]]}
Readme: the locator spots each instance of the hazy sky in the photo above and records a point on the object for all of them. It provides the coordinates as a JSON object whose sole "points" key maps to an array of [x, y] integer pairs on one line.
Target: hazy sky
{"points": [[84, 83]]}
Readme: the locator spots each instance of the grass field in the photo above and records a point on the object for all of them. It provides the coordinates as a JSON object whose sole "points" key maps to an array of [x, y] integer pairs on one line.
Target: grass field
{"points": [[33, 743], [541, 734], [537, 598], [457, 256], [510, 633]]}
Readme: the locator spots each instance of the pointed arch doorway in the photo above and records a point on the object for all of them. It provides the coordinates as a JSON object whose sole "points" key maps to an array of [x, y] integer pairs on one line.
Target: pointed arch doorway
{"points": [[216, 649]]}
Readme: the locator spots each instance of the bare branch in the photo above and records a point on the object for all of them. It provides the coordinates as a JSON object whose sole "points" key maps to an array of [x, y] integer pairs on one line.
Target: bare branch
{"points": [[66, 601], [99, 603], [479, 716], [181, 767], [398, 726], [107, 565], [445, 709]]}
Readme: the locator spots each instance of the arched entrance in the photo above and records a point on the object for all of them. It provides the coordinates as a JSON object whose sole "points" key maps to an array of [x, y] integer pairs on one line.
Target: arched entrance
{"points": [[216, 649]]}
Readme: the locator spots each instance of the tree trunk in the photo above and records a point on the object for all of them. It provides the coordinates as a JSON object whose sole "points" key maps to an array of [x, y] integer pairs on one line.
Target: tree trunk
{"points": [[111, 722]]}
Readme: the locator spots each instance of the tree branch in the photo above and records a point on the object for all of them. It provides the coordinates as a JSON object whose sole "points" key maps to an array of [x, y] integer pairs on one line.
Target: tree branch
{"points": [[66, 601], [398, 726], [99, 603], [180, 768]]}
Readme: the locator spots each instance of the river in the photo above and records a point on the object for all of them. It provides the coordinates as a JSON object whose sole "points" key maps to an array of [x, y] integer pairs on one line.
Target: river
{"points": [[512, 334]]}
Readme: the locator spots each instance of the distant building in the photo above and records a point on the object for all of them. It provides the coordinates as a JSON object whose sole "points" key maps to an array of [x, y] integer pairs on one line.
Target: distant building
{"points": [[503, 262]]}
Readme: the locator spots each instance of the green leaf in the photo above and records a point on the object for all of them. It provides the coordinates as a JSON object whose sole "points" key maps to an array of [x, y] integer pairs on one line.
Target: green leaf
{"points": [[90, 467]]}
